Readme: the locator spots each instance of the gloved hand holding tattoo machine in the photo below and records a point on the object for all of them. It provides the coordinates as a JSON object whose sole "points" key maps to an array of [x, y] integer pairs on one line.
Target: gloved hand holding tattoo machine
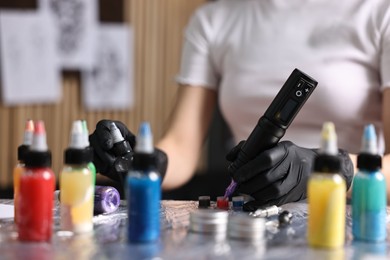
{"points": [[113, 147], [275, 173]]}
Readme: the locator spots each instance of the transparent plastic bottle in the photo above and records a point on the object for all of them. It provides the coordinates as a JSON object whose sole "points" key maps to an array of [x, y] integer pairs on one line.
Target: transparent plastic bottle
{"points": [[143, 188], [37, 185], [20, 165], [91, 165], [76, 185], [327, 195], [369, 192]]}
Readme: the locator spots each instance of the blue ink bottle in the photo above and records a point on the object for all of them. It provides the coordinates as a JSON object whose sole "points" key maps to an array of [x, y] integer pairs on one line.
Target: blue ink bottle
{"points": [[369, 192], [143, 190]]}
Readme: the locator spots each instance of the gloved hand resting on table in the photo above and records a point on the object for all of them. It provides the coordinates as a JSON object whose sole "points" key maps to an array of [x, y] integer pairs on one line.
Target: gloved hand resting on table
{"points": [[279, 175], [101, 141]]}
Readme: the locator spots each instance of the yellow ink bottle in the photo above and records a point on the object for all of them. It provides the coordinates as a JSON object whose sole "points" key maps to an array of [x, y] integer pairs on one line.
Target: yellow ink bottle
{"points": [[76, 185], [327, 195]]}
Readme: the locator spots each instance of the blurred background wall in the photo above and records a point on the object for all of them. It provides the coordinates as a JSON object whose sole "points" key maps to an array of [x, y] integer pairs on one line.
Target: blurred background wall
{"points": [[158, 35]]}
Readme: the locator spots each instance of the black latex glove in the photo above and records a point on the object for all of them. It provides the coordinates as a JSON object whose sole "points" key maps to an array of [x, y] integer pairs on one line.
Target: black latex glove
{"points": [[279, 175], [102, 142]]}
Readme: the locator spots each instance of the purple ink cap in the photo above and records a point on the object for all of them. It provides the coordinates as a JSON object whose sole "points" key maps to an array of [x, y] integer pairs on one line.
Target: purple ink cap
{"points": [[107, 199]]}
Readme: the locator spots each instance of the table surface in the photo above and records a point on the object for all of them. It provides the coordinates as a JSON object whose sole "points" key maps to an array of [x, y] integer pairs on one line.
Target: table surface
{"points": [[108, 240]]}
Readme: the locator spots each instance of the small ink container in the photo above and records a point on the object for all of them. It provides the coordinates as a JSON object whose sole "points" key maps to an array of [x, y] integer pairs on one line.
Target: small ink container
{"points": [[246, 227], [204, 202], [222, 203], [211, 221], [237, 203]]}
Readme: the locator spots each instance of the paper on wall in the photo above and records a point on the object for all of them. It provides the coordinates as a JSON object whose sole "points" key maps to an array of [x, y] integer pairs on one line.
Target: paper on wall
{"points": [[28, 62], [109, 85], [75, 25]]}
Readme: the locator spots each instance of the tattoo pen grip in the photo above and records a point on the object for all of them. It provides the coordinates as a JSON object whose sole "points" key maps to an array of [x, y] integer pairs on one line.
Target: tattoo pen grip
{"points": [[272, 126], [264, 136]]}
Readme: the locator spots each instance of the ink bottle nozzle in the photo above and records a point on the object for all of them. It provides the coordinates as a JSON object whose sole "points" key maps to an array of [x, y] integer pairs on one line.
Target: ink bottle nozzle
{"points": [[369, 140], [39, 137], [38, 155], [121, 146], [116, 133], [27, 139], [368, 157], [329, 139], [144, 139], [77, 152], [28, 132], [144, 150], [327, 160], [77, 139], [122, 149]]}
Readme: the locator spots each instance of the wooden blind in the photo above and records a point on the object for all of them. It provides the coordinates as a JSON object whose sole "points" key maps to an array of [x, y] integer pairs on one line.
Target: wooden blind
{"points": [[158, 27]]}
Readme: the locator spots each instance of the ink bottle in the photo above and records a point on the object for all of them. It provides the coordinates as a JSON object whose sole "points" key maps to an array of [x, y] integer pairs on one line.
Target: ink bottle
{"points": [[76, 185], [37, 185], [91, 165], [369, 192], [20, 165], [143, 190], [122, 149], [327, 195]]}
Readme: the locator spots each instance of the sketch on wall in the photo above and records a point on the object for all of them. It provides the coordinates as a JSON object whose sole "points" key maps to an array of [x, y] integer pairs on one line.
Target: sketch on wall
{"points": [[28, 61], [109, 85], [75, 24]]}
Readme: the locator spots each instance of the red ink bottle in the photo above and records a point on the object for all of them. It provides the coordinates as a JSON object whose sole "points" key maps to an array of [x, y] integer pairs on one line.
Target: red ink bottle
{"points": [[37, 185], [19, 167]]}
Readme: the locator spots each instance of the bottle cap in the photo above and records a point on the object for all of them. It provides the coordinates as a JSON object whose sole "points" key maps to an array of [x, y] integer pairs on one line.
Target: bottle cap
{"points": [[368, 158], [27, 139], [327, 160], [77, 152], [38, 155], [144, 156]]}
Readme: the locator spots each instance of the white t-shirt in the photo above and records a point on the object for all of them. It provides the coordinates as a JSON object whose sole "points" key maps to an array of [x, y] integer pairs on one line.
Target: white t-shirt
{"points": [[246, 49]]}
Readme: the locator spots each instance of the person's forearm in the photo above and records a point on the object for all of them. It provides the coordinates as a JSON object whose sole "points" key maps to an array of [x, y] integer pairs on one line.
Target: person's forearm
{"points": [[181, 165]]}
